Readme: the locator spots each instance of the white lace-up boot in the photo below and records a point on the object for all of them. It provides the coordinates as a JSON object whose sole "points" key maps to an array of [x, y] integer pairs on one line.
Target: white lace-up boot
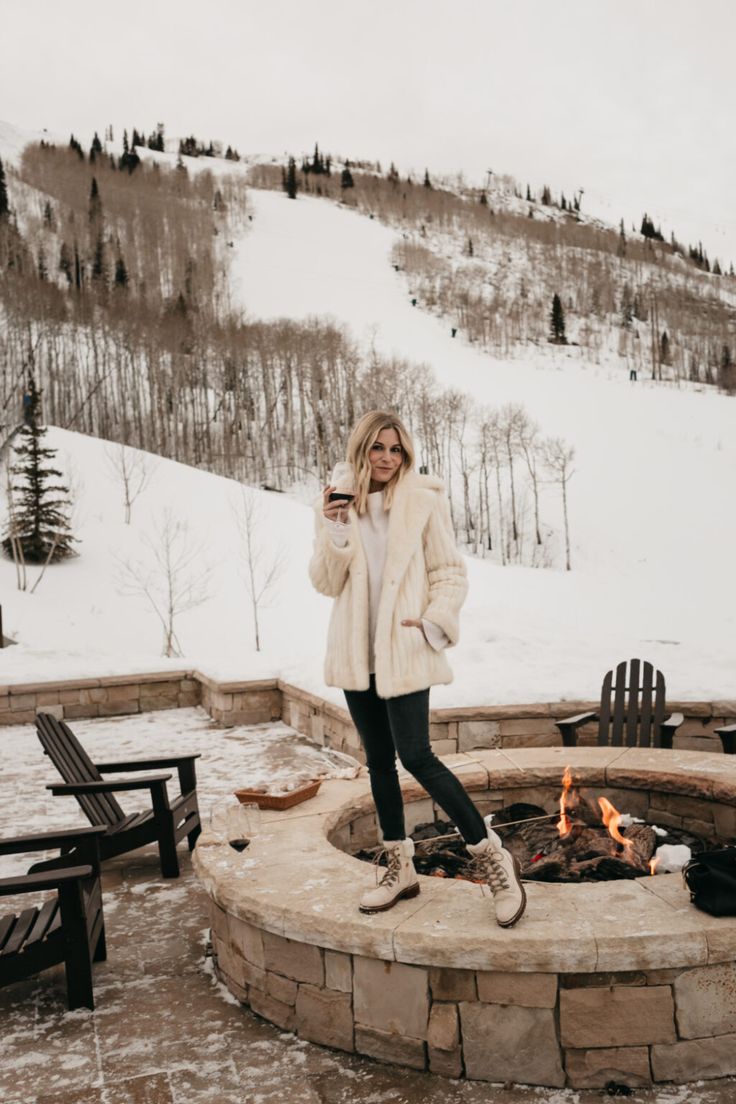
{"points": [[399, 879], [500, 870]]}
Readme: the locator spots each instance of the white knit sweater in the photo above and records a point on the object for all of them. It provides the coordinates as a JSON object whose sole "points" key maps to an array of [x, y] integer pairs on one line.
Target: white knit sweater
{"points": [[373, 528]]}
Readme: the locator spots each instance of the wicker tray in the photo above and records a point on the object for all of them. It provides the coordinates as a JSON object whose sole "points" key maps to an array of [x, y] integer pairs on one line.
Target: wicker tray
{"points": [[278, 801]]}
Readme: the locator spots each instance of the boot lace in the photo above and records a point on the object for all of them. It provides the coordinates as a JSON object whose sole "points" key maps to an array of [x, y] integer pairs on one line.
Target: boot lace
{"points": [[393, 865], [489, 867]]}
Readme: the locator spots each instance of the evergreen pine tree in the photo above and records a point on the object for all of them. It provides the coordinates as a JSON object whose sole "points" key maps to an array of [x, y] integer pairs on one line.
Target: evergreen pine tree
{"points": [[346, 180], [42, 269], [726, 369], [65, 262], [121, 274], [291, 184], [95, 203], [78, 269], [528, 194], [4, 203], [717, 268], [558, 321], [40, 517], [99, 267], [427, 181], [664, 349]]}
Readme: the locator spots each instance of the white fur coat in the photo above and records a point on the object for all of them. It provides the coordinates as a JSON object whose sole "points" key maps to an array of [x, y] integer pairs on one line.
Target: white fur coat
{"points": [[424, 576]]}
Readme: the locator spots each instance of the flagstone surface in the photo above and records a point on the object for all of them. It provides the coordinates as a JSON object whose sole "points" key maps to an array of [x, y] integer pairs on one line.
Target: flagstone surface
{"points": [[164, 1031]]}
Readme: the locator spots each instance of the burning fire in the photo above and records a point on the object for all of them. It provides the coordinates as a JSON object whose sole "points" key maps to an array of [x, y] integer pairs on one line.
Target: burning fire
{"points": [[653, 864], [612, 819], [609, 814], [564, 824]]}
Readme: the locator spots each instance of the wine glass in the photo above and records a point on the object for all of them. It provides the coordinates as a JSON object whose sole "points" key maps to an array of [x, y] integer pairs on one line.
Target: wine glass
{"points": [[242, 823]]}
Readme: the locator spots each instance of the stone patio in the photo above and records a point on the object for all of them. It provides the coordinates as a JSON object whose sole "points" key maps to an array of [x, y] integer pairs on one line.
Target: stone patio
{"points": [[164, 1031]]}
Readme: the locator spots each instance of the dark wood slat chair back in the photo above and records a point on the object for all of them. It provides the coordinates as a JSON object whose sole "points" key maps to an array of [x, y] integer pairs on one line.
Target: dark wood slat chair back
{"points": [[632, 706], [74, 765]]}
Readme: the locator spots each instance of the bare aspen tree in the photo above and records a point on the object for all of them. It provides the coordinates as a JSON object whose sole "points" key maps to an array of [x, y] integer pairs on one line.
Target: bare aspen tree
{"points": [[558, 457], [511, 419], [529, 446], [133, 470], [174, 577], [485, 533], [262, 564], [493, 430]]}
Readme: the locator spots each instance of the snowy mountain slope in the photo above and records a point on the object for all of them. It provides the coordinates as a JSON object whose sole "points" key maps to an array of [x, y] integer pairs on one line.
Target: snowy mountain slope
{"points": [[650, 521]]}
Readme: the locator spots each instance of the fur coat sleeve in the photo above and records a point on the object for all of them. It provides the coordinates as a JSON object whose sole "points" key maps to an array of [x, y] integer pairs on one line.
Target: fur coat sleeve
{"points": [[446, 573], [329, 565]]}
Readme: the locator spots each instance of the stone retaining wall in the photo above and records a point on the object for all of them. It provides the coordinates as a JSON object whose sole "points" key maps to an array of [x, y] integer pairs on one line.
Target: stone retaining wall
{"points": [[494, 726], [110, 696], [263, 700]]}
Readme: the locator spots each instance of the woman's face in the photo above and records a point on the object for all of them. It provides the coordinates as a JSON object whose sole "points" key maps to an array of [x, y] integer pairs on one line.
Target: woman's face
{"points": [[385, 455]]}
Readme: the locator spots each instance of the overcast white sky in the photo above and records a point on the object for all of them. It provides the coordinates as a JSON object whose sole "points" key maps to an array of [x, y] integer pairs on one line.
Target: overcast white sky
{"points": [[633, 100]]}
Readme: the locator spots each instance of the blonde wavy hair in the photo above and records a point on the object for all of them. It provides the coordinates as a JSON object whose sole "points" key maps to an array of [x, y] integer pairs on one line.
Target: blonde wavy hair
{"points": [[363, 436]]}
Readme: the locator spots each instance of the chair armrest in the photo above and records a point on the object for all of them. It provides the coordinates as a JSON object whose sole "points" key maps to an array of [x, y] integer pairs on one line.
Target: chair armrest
{"points": [[569, 726], [668, 728], [727, 734], [157, 763], [75, 788], [185, 766], [44, 841], [576, 721], [32, 883]]}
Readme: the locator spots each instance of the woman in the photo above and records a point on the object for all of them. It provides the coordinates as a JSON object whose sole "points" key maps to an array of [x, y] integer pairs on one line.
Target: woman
{"points": [[389, 560]]}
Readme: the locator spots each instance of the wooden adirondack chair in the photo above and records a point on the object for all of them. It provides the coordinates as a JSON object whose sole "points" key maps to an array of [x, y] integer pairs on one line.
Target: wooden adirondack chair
{"points": [[632, 710], [165, 822], [727, 736], [68, 927]]}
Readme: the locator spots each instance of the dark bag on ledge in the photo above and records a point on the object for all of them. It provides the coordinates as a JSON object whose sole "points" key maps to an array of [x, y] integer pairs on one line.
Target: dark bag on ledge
{"points": [[711, 879]]}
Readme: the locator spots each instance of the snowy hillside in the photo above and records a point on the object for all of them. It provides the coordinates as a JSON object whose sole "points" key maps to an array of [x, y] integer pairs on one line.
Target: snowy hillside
{"points": [[528, 635], [650, 510]]}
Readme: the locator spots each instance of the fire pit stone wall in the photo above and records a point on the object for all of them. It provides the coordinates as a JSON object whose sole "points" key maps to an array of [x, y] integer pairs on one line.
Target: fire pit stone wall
{"points": [[609, 981]]}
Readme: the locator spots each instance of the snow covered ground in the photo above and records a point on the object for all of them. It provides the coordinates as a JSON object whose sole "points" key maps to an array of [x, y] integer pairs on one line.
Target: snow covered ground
{"points": [[650, 504], [265, 756]]}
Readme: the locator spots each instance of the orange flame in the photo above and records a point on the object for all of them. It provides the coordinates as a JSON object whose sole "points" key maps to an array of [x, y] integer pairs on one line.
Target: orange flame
{"points": [[564, 824], [653, 864], [612, 819]]}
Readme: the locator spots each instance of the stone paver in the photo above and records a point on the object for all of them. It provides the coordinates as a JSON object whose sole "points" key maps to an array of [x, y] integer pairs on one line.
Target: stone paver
{"points": [[165, 1033]]}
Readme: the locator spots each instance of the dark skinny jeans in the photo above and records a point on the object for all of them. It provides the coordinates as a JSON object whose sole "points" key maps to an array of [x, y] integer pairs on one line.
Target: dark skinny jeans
{"points": [[391, 726]]}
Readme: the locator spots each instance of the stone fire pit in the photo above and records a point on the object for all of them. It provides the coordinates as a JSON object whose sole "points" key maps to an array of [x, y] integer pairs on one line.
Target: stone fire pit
{"points": [[614, 981]]}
